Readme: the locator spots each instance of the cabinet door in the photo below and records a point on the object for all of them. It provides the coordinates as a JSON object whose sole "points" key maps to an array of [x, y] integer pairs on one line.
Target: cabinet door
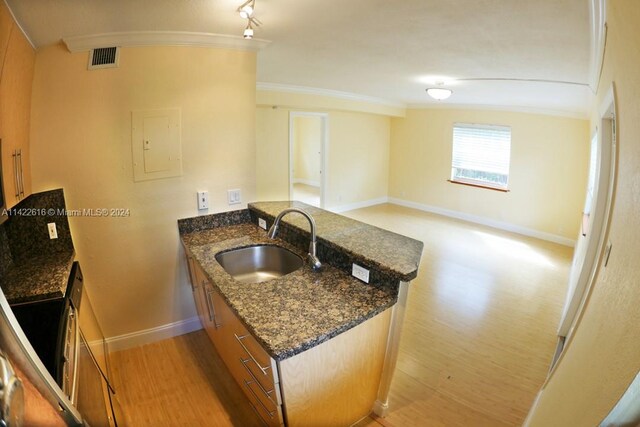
{"points": [[196, 287], [249, 364], [207, 308], [15, 111], [6, 26]]}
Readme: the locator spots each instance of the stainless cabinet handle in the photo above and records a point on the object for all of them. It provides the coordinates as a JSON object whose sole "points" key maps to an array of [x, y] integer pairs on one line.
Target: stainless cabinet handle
{"points": [[263, 369], [15, 173], [20, 174], [270, 413], [253, 377], [211, 308]]}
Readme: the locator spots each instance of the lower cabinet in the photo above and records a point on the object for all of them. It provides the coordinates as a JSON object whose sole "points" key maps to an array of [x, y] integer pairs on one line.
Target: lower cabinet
{"points": [[334, 383], [249, 364]]}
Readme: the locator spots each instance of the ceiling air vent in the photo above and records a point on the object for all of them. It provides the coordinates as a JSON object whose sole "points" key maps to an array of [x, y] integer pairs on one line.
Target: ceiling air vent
{"points": [[104, 57]]}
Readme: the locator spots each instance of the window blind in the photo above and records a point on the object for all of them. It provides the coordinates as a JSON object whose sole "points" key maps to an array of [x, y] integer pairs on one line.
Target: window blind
{"points": [[481, 148]]}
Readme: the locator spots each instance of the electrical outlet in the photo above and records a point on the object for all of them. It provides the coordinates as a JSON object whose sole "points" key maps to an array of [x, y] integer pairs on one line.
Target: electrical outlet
{"points": [[203, 200], [53, 232], [262, 223], [360, 273], [233, 196]]}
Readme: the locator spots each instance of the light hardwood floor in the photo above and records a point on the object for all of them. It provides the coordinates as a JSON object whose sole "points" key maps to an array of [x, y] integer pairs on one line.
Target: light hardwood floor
{"points": [[178, 382], [481, 319], [478, 338]]}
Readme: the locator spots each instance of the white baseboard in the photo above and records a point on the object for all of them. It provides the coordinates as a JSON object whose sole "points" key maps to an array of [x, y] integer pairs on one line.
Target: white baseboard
{"points": [[148, 336], [485, 221], [358, 205], [306, 182]]}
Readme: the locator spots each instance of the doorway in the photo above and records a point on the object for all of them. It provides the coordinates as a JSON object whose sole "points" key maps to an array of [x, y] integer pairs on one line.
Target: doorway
{"points": [[592, 247], [307, 146]]}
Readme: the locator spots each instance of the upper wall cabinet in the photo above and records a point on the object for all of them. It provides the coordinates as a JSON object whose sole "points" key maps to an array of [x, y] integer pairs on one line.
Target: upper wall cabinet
{"points": [[6, 23], [18, 59]]}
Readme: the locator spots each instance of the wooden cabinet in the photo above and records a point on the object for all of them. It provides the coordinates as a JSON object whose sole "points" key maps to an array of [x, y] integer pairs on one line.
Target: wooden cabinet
{"points": [[6, 24], [16, 77], [250, 365], [334, 383]]}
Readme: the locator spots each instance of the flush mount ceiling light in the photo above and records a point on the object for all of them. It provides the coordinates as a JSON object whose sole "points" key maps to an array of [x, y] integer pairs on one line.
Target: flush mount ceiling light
{"points": [[439, 93], [247, 11]]}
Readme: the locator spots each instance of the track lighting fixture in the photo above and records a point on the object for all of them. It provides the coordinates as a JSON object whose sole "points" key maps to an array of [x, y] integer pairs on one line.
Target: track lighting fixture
{"points": [[248, 32], [246, 11]]}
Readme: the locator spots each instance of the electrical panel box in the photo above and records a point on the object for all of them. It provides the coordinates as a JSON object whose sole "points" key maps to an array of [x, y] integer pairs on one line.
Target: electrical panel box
{"points": [[155, 144]]}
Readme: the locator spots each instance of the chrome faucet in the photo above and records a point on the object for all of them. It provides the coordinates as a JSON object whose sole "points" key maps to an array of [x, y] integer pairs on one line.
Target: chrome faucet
{"points": [[313, 259]]}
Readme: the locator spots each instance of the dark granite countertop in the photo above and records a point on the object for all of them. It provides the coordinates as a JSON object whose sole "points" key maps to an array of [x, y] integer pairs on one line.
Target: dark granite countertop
{"points": [[377, 248], [293, 313], [37, 278]]}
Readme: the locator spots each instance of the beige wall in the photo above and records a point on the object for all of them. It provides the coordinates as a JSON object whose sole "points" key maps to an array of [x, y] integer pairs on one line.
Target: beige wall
{"points": [[547, 179], [272, 153], [357, 156], [603, 356], [306, 149], [81, 141]]}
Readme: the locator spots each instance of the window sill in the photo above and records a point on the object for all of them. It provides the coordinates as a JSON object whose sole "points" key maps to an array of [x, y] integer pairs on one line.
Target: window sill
{"points": [[472, 184]]}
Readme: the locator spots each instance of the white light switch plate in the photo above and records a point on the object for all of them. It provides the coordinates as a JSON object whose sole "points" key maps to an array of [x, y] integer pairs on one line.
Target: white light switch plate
{"points": [[203, 200], [233, 197], [262, 223], [53, 232], [360, 273]]}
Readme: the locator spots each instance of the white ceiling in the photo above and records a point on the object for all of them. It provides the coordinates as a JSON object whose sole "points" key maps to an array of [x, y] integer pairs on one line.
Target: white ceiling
{"points": [[391, 50]]}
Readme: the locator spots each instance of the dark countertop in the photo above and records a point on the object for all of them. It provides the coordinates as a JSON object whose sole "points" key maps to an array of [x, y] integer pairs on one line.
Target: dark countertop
{"points": [[38, 278], [293, 313], [380, 249]]}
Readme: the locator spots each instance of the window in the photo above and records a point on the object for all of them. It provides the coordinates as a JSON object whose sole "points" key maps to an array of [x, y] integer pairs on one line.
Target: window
{"points": [[481, 155]]}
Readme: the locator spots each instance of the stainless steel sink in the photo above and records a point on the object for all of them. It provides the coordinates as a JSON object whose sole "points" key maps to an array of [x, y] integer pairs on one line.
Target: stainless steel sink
{"points": [[259, 263]]}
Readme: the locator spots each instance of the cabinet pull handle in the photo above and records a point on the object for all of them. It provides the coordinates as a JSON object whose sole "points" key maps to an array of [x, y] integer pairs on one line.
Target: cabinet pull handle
{"points": [[253, 377], [270, 413], [212, 309], [239, 339], [15, 173], [21, 174]]}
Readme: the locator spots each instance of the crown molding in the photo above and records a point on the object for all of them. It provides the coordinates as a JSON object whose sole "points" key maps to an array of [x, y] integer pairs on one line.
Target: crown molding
{"points": [[162, 38], [277, 87], [504, 108], [598, 16]]}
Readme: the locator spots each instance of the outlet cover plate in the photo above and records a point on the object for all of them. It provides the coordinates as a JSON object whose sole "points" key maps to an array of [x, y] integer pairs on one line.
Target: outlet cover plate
{"points": [[203, 200], [360, 273], [53, 232]]}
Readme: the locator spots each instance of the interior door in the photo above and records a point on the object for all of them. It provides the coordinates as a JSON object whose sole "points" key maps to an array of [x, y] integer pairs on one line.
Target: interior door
{"points": [[591, 242]]}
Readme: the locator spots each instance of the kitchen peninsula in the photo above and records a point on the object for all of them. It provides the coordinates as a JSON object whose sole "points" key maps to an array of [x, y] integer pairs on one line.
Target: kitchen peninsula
{"points": [[311, 345]]}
